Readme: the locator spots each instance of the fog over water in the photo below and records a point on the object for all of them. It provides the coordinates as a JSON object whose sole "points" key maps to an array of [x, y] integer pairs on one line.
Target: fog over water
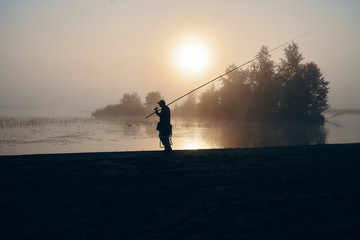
{"points": [[71, 56], [29, 135]]}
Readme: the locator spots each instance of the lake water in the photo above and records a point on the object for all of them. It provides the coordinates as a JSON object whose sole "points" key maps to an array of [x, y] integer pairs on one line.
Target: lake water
{"points": [[81, 133]]}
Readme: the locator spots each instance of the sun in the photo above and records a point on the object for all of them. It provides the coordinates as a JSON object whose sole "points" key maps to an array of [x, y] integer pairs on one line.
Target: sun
{"points": [[192, 55]]}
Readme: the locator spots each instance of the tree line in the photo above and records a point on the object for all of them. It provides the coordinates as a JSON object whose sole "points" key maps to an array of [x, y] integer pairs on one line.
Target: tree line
{"points": [[130, 105], [289, 90]]}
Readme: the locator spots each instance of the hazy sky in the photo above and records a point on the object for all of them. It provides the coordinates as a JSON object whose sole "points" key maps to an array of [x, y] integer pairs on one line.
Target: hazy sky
{"points": [[84, 54]]}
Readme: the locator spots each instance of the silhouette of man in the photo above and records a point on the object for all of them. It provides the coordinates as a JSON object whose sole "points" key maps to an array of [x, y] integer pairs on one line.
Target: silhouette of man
{"points": [[164, 127]]}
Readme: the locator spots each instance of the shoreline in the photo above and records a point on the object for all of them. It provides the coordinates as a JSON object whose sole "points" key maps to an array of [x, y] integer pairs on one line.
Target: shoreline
{"points": [[175, 152]]}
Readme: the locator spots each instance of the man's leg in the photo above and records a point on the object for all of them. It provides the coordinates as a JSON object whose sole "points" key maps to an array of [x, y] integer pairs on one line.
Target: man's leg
{"points": [[165, 141]]}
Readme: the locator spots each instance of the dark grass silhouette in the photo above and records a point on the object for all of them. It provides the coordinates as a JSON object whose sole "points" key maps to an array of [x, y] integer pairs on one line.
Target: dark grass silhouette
{"points": [[303, 192]]}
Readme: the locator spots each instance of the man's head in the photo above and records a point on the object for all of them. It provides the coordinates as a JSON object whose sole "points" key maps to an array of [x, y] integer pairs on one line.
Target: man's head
{"points": [[162, 103]]}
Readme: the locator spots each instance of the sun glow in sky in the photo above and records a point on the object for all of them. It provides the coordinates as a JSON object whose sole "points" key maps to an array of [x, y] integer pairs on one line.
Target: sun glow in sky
{"points": [[192, 56], [86, 54]]}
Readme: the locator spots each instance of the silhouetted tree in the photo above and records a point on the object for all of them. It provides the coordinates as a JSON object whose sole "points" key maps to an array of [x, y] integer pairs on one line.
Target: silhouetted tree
{"points": [[303, 88], [289, 75], [188, 108], [235, 95], [317, 89], [152, 99], [265, 88], [131, 104], [209, 102]]}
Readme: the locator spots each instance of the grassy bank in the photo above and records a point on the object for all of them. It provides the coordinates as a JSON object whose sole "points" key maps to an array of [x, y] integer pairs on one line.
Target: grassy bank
{"points": [[306, 192]]}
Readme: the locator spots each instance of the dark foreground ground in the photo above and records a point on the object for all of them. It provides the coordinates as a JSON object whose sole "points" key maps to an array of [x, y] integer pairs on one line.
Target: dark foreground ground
{"points": [[306, 192]]}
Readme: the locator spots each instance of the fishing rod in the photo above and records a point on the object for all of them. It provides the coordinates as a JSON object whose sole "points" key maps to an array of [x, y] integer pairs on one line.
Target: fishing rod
{"points": [[257, 57]]}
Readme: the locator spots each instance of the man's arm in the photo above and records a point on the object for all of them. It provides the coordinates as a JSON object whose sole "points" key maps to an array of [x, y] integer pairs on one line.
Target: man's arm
{"points": [[157, 111]]}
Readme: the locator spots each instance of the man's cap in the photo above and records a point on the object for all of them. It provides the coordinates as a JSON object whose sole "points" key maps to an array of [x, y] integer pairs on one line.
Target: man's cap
{"points": [[161, 101]]}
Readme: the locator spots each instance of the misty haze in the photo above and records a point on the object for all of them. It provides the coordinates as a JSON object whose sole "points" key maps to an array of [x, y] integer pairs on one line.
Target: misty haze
{"points": [[67, 68]]}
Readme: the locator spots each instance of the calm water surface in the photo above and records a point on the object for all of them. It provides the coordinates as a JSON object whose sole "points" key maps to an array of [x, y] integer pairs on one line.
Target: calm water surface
{"points": [[30, 135]]}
